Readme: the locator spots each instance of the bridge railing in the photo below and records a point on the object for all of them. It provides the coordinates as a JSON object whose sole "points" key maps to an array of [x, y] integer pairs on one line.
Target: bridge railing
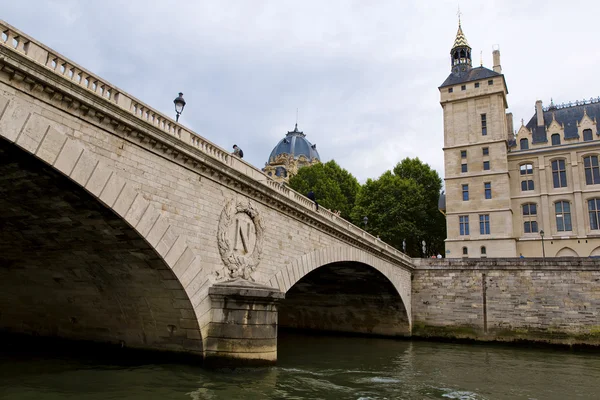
{"points": [[12, 38]]}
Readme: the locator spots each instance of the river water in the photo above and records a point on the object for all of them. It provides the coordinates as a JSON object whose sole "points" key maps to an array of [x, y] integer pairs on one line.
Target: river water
{"points": [[312, 367]]}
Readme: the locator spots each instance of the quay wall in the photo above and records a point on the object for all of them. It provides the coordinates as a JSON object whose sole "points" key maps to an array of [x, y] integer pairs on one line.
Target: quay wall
{"points": [[555, 301]]}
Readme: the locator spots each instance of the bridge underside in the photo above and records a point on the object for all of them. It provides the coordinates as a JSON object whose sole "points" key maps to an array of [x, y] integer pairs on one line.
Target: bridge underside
{"points": [[346, 297], [71, 268]]}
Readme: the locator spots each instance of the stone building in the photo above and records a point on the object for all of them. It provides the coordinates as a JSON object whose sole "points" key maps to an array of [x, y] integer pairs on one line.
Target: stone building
{"points": [[292, 152], [534, 194]]}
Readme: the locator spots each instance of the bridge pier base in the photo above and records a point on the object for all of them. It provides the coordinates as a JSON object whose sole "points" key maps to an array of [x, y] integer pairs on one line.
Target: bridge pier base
{"points": [[243, 327]]}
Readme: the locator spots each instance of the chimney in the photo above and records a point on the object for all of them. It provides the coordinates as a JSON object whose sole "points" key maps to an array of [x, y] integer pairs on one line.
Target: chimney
{"points": [[509, 126], [539, 112], [496, 55]]}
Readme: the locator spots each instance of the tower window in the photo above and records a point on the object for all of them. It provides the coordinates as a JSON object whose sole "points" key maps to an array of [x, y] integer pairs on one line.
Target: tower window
{"points": [[450, 90], [592, 171], [483, 251], [484, 224], [463, 168], [486, 151], [463, 87], [527, 183], [463, 154], [587, 135], [463, 224], [594, 212], [476, 85], [483, 124], [559, 173], [487, 188], [465, 251], [524, 144], [563, 216], [465, 192], [555, 139], [530, 218], [491, 82], [486, 165]]}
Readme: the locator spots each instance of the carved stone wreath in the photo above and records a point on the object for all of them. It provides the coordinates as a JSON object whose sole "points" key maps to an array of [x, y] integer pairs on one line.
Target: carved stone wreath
{"points": [[239, 265]]}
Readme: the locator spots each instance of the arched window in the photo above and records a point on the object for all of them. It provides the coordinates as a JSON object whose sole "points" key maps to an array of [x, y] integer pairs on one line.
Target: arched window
{"points": [[594, 213], [465, 251], [592, 171], [559, 173], [530, 224], [524, 144], [555, 139], [587, 135], [526, 171], [483, 251], [563, 216]]}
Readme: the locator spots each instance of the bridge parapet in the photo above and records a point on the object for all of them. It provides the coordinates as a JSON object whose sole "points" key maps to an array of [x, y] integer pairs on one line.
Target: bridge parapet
{"points": [[149, 119]]}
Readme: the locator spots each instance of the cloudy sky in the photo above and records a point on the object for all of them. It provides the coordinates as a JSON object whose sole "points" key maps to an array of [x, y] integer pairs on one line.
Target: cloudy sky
{"points": [[363, 74]]}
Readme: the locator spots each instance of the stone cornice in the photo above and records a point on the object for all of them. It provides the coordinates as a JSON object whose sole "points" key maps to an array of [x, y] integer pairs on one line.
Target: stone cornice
{"points": [[158, 134]]}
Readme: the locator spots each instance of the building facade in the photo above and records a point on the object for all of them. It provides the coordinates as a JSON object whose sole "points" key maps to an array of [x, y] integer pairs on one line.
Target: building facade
{"points": [[536, 194]]}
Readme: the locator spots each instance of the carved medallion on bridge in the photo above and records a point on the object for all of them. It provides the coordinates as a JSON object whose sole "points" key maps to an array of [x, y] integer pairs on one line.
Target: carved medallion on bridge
{"points": [[240, 239]]}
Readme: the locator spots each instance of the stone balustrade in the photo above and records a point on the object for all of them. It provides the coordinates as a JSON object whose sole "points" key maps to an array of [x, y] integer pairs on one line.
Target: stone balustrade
{"points": [[16, 40]]}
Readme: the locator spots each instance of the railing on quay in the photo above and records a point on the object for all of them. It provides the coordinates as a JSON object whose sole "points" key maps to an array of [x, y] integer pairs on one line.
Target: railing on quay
{"points": [[16, 40]]}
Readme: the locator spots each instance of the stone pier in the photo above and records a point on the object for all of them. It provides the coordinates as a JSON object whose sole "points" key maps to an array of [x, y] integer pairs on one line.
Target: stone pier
{"points": [[243, 327]]}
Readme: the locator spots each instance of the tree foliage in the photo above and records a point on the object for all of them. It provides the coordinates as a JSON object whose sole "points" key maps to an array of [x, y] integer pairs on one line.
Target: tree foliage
{"points": [[402, 205], [334, 187]]}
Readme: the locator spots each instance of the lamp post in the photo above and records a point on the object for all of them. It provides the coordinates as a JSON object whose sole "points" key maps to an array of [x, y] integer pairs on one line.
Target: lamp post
{"points": [[365, 221], [543, 250], [179, 105]]}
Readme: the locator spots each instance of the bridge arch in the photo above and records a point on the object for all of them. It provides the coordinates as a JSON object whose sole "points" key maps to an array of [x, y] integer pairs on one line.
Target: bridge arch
{"points": [[149, 302], [388, 295]]}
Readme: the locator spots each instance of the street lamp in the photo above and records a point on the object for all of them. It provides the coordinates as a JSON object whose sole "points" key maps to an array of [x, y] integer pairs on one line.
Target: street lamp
{"points": [[179, 105], [543, 250], [365, 221]]}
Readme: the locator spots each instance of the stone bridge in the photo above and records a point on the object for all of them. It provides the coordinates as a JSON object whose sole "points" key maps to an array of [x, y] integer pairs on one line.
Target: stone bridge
{"points": [[119, 225]]}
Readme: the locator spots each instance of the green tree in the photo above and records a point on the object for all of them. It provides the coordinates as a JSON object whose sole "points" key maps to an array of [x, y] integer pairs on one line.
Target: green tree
{"points": [[402, 205], [334, 187], [434, 222]]}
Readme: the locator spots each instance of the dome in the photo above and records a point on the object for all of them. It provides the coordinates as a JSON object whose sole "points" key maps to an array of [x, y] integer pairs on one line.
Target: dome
{"points": [[292, 152], [295, 144]]}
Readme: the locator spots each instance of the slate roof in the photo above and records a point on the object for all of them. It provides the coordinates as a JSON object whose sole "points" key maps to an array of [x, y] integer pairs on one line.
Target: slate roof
{"points": [[296, 144], [569, 116], [472, 74]]}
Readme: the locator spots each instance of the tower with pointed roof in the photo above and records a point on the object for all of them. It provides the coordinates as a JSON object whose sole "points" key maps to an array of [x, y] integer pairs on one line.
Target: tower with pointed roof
{"points": [[476, 133]]}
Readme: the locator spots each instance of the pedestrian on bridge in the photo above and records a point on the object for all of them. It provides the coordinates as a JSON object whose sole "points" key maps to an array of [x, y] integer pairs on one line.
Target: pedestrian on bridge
{"points": [[237, 151], [311, 195]]}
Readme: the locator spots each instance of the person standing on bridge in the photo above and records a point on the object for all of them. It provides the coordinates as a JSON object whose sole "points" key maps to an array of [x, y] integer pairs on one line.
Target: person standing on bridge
{"points": [[311, 195], [237, 151]]}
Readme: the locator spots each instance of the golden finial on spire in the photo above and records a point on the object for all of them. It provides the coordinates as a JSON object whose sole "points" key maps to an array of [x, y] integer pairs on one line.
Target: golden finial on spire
{"points": [[458, 14]]}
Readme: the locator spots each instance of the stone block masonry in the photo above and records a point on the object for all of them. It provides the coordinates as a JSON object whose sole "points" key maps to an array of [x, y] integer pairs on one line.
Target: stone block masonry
{"points": [[555, 301]]}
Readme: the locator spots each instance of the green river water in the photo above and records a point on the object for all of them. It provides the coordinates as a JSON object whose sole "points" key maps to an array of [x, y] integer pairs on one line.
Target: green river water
{"points": [[312, 367]]}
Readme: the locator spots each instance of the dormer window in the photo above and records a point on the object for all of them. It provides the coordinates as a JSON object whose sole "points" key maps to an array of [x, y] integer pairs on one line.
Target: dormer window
{"points": [[524, 143], [587, 135], [555, 139]]}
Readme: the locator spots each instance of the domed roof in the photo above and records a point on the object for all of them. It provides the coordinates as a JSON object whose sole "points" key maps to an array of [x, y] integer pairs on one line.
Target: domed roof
{"points": [[295, 144]]}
